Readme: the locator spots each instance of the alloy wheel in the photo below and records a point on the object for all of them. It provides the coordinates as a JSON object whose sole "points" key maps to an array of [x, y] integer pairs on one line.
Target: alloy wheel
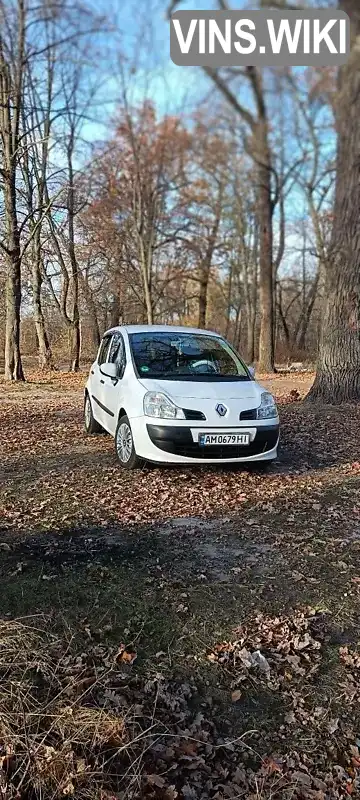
{"points": [[124, 442], [87, 412]]}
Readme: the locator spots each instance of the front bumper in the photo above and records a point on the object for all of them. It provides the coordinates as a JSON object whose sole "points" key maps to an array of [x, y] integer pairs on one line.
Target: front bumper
{"points": [[177, 444]]}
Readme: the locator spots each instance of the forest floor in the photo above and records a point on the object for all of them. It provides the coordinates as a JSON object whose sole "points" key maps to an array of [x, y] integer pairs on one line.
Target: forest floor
{"points": [[177, 633]]}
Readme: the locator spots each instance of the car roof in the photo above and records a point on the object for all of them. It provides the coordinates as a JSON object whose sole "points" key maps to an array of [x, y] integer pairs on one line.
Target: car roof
{"points": [[158, 329]]}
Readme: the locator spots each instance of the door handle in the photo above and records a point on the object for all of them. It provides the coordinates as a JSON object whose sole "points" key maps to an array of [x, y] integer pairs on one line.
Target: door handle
{"points": [[92, 372], [101, 380]]}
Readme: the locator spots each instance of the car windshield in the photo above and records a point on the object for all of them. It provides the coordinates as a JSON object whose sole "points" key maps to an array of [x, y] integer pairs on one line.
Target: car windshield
{"points": [[185, 356]]}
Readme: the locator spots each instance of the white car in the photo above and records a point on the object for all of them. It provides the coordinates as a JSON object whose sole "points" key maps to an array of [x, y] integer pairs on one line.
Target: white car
{"points": [[178, 396]]}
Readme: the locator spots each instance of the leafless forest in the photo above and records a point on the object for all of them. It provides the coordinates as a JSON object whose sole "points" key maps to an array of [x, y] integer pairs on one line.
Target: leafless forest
{"points": [[219, 213]]}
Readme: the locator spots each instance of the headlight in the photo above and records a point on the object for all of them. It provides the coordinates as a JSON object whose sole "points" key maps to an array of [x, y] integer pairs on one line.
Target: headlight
{"points": [[156, 404], [267, 407]]}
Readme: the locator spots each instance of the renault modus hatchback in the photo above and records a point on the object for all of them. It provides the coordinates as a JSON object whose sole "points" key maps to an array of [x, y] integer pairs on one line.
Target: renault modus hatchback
{"points": [[179, 396]]}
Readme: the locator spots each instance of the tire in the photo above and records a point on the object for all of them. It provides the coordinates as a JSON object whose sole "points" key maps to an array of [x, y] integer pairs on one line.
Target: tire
{"points": [[124, 445], [91, 426]]}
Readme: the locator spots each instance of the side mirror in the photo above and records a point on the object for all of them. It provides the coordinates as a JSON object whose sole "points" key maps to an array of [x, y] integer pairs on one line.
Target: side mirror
{"points": [[110, 370], [252, 371]]}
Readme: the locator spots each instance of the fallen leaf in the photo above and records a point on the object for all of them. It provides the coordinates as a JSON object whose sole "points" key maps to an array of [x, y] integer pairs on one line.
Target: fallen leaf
{"points": [[69, 789], [290, 718], [125, 656], [170, 793], [156, 780], [271, 765], [302, 778], [258, 660]]}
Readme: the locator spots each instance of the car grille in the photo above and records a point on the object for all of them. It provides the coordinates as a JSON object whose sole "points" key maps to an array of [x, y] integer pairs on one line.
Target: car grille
{"points": [[198, 415], [189, 414], [249, 414], [196, 451], [179, 442]]}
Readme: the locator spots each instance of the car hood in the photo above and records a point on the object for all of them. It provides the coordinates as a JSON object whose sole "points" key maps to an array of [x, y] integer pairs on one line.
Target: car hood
{"points": [[205, 390]]}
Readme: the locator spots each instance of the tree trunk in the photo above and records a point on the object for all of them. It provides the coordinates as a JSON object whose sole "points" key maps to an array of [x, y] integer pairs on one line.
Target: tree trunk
{"points": [[148, 306], [237, 335], [114, 311], [265, 213], [13, 365], [251, 317], [205, 267], [75, 324], [251, 307], [10, 107], [338, 370], [229, 304], [94, 325], [306, 315], [92, 312], [74, 346], [203, 292], [95, 333], [44, 350], [146, 281], [283, 322]]}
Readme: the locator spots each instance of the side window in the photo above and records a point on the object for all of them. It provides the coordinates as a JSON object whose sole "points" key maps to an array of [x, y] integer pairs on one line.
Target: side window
{"points": [[117, 352], [102, 357]]}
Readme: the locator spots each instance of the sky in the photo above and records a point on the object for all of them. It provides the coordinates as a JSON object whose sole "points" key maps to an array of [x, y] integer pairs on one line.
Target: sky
{"points": [[144, 41]]}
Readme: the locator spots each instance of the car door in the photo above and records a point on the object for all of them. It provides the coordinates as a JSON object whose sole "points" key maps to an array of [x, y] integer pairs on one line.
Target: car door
{"points": [[98, 382], [112, 390]]}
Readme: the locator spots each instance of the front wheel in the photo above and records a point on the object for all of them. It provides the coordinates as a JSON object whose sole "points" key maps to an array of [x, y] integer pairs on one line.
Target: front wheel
{"points": [[124, 445], [91, 426]]}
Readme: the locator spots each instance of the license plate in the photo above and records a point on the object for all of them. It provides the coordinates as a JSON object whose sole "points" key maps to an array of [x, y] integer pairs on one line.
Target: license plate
{"points": [[223, 438]]}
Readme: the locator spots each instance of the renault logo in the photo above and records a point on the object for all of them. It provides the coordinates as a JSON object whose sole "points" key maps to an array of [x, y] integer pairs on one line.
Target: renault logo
{"points": [[221, 409]]}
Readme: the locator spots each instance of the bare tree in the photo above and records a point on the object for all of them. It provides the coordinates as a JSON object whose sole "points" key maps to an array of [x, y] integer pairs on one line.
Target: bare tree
{"points": [[204, 205], [244, 237], [30, 35], [255, 118], [259, 148], [37, 124], [12, 60], [313, 121], [73, 189], [137, 200]]}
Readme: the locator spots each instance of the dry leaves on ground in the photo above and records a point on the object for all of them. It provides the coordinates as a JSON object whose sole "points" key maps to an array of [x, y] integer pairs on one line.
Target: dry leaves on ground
{"points": [[54, 476], [77, 725]]}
